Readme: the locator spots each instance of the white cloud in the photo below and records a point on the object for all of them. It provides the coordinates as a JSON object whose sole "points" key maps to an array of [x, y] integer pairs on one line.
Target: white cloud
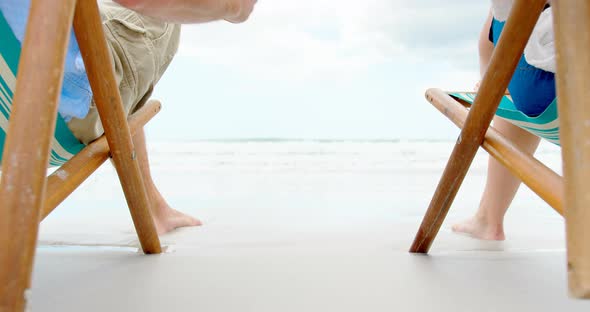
{"points": [[325, 38], [296, 39], [435, 29], [324, 69]]}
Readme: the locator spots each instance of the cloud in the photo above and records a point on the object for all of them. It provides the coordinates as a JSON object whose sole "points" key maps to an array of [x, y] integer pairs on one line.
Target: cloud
{"points": [[433, 29], [313, 39], [290, 39], [323, 69]]}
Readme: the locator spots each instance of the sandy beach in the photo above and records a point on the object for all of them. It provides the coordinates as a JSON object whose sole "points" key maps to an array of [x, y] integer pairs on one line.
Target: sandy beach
{"points": [[300, 226]]}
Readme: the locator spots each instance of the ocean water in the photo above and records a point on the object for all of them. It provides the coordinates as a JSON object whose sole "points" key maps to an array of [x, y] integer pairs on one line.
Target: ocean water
{"points": [[301, 185]]}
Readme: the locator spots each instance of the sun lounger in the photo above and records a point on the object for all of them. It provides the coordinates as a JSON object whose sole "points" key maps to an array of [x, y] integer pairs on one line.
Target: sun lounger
{"points": [[568, 195], [33, 136]]}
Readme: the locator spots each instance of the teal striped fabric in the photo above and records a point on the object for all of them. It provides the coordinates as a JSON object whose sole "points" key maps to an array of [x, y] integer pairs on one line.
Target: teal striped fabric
{"points": [[64, 144], [545, 125]]}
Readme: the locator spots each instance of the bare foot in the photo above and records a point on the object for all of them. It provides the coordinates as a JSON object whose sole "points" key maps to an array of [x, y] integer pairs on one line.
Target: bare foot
{"points": [[171, 219], [167, 219], [480, 229]]}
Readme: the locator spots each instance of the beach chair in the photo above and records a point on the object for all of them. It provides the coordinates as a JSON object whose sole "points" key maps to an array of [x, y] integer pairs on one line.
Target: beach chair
{"points": [[569, 195], [36, 136]]}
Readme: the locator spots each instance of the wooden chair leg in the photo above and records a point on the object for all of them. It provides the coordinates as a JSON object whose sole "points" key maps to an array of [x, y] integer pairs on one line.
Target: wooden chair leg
{"points": [[572, 35], [66, 179], [90, 35], [536, 175], [518, 29], [27, 147]]}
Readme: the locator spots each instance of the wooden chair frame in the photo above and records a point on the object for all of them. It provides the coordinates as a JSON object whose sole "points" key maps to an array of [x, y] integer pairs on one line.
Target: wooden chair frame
{"points": [[568, 195], [27, 194]]}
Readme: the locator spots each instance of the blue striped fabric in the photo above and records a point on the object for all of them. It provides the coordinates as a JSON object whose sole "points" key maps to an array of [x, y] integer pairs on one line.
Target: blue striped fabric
{"points": [[545, 125], [64, 144]]}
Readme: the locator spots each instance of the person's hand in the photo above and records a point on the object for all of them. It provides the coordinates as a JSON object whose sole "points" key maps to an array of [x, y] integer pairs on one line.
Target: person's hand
{"points": [[240, 10]]}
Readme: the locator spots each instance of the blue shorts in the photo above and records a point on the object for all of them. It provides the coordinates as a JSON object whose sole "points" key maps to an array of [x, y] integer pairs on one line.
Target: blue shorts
{"points": [[532, 89]]}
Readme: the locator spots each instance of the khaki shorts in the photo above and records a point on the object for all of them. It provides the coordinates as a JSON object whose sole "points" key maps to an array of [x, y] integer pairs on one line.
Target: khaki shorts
{"points": [[141, 48]]}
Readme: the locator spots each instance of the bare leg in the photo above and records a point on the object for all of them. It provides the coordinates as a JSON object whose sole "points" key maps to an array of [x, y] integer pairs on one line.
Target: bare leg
{"points": [[500, 189], [165, 218]]}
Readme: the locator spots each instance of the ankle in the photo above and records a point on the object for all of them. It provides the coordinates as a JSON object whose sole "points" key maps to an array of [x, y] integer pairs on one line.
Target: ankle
{"points": [[496, 233], [490, 220], [481, 219]]}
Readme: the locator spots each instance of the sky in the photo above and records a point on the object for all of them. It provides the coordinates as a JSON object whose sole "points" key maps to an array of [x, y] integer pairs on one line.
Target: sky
{"points": [[321, 69]]}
